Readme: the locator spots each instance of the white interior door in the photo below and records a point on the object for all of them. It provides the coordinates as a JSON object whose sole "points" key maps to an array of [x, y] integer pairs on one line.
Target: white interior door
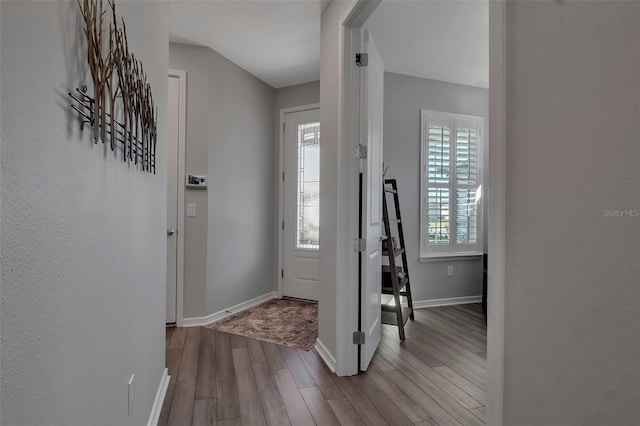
{"points": [[372, 182], [301, 204], [172, 196]]}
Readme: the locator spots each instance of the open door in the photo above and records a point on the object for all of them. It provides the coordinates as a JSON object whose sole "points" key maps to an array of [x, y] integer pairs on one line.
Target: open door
{"points": [[371, 187]]}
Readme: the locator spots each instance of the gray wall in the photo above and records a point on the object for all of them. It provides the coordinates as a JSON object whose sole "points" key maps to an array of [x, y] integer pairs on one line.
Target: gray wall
{"points": [[300, 94], [230, 123], [330, 153], [83, 241], [572, 308], [404, 97], [196, 62], [287, 97]]}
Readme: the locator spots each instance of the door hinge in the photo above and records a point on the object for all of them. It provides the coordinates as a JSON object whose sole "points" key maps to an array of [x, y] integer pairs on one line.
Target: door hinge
{"points": [[283, 224], [360, 245], [283, 127], [361, 152], [283, 176], [362, 59], [358, 337], [282, 273]]}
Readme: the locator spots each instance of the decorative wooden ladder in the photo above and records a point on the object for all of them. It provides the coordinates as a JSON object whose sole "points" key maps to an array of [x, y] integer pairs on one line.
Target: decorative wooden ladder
{"points": [[398, 284]]}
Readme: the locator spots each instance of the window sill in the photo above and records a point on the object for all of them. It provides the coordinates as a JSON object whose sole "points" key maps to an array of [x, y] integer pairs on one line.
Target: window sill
{"points": [[449, 257]]}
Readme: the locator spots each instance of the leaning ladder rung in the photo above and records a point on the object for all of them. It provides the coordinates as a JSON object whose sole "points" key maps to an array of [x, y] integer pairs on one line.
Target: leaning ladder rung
{"points": [[397, 314]]}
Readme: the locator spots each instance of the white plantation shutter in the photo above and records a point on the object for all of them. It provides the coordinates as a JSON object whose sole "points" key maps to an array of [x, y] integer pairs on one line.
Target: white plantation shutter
{"points": [[451, 217], [438, 181]]}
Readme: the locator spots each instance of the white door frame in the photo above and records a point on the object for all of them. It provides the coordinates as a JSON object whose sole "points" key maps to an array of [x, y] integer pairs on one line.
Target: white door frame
{"points": [[349, 125], [284, 111], [349, 112], [182, 133]]}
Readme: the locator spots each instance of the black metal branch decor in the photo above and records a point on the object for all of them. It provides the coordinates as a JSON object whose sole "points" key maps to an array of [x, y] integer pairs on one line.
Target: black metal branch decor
{"points": [[122, 111]]}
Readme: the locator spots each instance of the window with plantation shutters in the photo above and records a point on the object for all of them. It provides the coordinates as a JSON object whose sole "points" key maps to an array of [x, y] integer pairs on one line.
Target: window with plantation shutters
{"points": [[451, 190]]}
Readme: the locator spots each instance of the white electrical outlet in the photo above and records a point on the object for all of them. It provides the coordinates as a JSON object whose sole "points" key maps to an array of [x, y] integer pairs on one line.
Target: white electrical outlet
{"points": [[450, 271], [191, 209], [130, 390]]}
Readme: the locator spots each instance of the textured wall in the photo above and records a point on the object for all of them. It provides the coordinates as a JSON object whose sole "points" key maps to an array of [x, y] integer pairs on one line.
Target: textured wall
{"points": [[404, 97], [572, 308], [83, 235], [233, 129]]}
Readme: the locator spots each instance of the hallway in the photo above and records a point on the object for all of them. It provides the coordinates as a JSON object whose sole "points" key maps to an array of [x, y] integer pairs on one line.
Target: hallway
{"points": [[435, 378]]}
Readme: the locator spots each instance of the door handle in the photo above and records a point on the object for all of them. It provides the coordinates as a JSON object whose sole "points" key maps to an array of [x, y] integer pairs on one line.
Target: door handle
{"points": [[171, 231], [383, 237]]}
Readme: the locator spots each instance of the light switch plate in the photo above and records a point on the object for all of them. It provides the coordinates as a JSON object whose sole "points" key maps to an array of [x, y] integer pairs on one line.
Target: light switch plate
{"points": [[450, 271], [191, 209]]}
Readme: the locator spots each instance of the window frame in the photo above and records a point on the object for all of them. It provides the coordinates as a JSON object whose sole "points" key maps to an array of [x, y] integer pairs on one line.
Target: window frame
{"points": [[453, 249]]}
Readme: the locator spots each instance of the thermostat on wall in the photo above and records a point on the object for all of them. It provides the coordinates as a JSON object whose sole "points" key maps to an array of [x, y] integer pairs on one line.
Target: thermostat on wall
{"points": [[196, 182]]}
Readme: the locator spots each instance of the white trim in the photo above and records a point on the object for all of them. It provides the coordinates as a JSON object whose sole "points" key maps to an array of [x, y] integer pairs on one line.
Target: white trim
{"points": [[200, 321], [347, 300], [326, 356], [154, 416], [354, 17], [496, 212], [346, 356], [452, 121], [421, 304], [284, 111], [182, 122], [450, 257]]}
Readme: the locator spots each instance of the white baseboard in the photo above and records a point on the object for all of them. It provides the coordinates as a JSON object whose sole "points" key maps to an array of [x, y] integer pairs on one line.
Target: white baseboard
{"points": [[326, 355], [200, 321], [418, 304], [157, 403]]}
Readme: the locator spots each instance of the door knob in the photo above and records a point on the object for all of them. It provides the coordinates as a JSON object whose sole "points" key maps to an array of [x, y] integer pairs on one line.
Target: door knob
{"points": [[171, 231]]}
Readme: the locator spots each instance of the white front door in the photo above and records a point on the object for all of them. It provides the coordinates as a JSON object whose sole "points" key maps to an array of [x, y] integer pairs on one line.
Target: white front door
{"points": [[372, 187], [172, 196], [301, 204]]}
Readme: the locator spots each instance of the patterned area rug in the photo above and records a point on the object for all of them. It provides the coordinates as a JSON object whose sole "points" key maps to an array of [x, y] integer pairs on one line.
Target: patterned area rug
{"points": [[286, 322]]}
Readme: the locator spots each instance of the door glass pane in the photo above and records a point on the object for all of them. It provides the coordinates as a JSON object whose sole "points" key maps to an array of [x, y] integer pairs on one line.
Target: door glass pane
{"points": [[308, 202], [438, 216]]}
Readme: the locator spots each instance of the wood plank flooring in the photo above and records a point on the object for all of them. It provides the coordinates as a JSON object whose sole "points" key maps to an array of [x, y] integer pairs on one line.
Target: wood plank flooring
{"points": [[436, 377]]}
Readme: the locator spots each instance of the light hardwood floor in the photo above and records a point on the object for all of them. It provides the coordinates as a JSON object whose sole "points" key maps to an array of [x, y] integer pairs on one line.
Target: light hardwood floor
{"points": [[436, 377]]}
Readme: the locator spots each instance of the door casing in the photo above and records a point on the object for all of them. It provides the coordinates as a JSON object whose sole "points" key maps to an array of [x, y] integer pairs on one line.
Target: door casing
{"points": [[300, 264], [371, 195], [281, 167], [182, 121], [349, 29]]}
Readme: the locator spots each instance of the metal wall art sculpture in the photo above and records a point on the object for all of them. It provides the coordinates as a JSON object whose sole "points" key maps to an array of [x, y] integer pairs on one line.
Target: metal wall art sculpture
{"points": [[122, 111]]}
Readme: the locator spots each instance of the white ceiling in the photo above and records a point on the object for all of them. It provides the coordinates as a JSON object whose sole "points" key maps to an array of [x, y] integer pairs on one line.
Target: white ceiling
{"points": [[441, 40], [277, 41]]}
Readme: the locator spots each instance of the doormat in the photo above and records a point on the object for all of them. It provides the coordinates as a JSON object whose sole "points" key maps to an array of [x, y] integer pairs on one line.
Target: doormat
{"points": [[286, 322]]}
